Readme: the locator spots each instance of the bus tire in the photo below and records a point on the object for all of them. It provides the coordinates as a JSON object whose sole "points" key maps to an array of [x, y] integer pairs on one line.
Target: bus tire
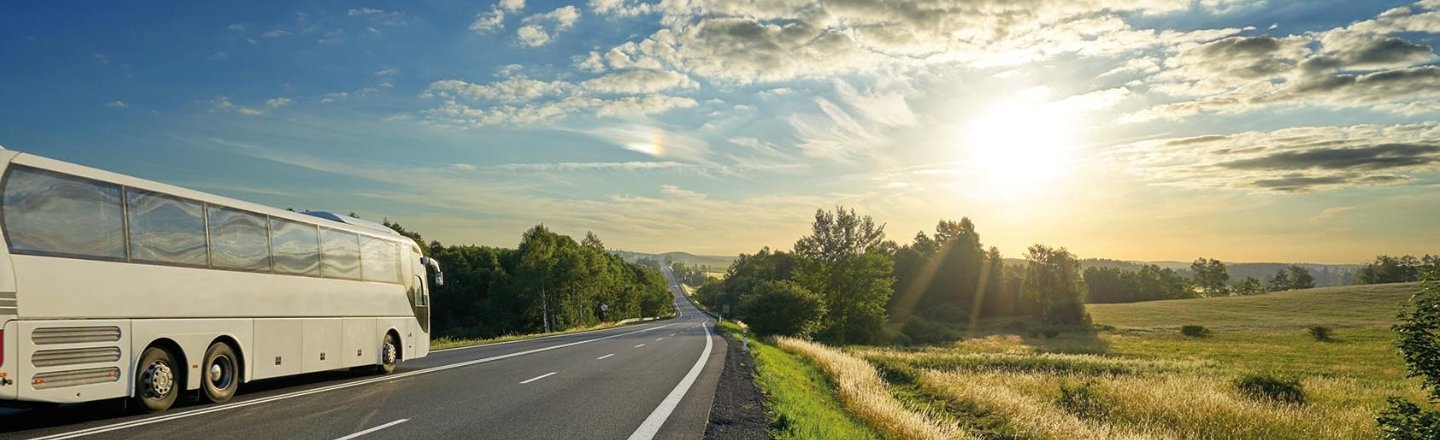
{"points": [[221, 375], [389, 354], [157, 381]]}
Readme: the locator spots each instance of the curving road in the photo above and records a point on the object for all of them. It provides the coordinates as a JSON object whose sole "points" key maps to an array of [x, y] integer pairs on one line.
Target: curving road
{"points": [[651, 380]]}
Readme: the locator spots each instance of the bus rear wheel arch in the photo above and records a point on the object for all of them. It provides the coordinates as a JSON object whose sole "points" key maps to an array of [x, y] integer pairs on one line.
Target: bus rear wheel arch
{"points": [[159, 377], [390, 353], [220, 373]]}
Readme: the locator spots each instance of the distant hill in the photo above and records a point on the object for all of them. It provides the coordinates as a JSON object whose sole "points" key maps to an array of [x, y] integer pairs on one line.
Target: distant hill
{"points": [[716, 263], [1373, 305]]}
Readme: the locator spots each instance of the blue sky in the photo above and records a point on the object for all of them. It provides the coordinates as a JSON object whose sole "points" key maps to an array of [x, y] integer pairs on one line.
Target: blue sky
{"points": [[1129, 129]]}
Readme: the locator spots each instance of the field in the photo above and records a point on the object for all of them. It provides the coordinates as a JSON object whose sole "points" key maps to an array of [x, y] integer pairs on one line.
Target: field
{"points": [[1141, 378]]}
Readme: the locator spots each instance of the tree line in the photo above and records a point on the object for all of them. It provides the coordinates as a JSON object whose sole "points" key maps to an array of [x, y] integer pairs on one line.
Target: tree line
{"points": [[844, 281], [1402, 269], [548, 282]]}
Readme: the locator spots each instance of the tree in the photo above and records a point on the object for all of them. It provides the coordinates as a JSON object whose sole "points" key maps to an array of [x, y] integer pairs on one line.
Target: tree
{"points": [[1300, 278], [593, 241], [843, 260], [783, 308], [1054, 288], [1280, 282], [1250, 286], [1404, 419], [1210, 276]]}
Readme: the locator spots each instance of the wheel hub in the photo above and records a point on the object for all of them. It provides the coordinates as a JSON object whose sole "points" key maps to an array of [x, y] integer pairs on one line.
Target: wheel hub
{"points": [[159, 380], [389, 354]]}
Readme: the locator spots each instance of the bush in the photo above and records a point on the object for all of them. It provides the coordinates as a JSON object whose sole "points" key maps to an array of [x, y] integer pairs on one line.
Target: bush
{"points": [[1321, 333], [923, 331], [1082, 399], [1194, 331], [782, 308], [1416, 330], [1272, 388]]}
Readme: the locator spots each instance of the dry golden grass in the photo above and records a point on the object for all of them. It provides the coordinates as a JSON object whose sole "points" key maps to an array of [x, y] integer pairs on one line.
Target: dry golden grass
{"points": [[865, 394], [1162, 406]]}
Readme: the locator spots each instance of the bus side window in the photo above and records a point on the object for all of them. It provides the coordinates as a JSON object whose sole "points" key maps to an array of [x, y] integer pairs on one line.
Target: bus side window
{"points": [[339, 254], [165, 229], [296, 247], [49, 213], [238, 240], [379, 260]]}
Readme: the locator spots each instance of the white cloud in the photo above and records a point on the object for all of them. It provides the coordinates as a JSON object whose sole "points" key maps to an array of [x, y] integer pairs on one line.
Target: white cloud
{"points": [[593, 166], [387, 71], [275, 33], [117, 104], [622, 8], [278, 102], [223, 104], [488, 22], [334, 97], [637, 81], [512, 5], [539, 29]]}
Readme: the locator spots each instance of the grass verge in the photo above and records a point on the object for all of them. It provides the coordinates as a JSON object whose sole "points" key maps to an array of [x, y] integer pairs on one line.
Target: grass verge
{"points": [[866, 395], [803, 403]]}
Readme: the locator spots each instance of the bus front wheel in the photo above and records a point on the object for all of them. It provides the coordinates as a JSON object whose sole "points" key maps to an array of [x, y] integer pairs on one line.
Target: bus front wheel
{"points": [[389, 354], [221, 373], [156, 381]]}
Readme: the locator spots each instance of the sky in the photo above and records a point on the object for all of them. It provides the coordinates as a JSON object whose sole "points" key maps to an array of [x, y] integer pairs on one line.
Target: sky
{"points": [[1151, 130]]}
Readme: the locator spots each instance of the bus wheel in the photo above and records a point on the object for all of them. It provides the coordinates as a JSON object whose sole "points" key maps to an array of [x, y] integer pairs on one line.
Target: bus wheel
{"points": [[389, 353], [156, 381], [221, 373]]}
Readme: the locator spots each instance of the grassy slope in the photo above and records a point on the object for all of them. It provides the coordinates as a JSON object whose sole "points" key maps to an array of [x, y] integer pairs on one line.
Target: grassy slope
{"points": [[803, 401], [1341, 306]]}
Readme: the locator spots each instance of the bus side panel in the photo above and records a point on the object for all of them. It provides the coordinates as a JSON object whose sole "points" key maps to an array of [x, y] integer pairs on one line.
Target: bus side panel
{"points": [[360, 346], [194, 337], [323, 340], [422, 341], [74, 360], [9, 373], [278, 347]]}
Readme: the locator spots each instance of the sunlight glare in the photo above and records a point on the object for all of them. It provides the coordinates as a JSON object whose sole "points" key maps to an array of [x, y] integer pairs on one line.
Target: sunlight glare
{"points": [[1020, 145]]}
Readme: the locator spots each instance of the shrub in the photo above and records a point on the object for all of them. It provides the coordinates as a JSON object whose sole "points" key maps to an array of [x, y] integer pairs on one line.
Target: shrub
{"points": [[923, 331], [1081, 399], [1272, 388], [1416, 330], [1194, 331], [783, 308], [1321, 333]]}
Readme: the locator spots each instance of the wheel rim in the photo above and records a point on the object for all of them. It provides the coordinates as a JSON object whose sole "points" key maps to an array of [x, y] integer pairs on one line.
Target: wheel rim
{"points": [[222, 372], [159, 380], [389, 351]]}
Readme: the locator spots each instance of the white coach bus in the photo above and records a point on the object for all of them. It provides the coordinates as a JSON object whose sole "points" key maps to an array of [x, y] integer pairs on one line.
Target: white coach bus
{"points": [[113, 286]]}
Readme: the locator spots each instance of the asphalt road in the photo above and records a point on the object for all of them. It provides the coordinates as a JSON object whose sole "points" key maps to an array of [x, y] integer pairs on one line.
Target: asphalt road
{"points": [[650, 380]]}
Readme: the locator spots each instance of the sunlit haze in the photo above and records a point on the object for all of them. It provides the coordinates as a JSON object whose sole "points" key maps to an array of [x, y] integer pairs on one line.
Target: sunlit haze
{"points": [[1127, 129]]}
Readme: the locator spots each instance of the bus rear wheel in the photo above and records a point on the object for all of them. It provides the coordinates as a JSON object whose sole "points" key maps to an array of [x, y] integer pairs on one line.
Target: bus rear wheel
{"points": [[221, 375], [389, 354], [156, 380]]}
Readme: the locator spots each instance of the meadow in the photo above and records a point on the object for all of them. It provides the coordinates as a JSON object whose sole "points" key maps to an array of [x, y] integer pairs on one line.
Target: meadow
{"points": [[1138, 377]]}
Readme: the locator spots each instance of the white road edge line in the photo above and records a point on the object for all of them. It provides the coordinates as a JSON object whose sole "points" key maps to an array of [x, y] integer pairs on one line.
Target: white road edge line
{"points": [[652, 424], [238, 405], [605, 356], [657, 339], [542, 376], [377, 428], [641, 345]]}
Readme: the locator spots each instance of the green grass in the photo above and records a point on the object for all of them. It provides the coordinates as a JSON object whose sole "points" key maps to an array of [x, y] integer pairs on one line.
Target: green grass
{"points": [[803, 402], [1340, 306]]}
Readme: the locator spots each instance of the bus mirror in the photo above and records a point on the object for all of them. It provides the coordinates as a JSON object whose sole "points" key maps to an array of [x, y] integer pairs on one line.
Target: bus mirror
{"points": [[439, 278]]}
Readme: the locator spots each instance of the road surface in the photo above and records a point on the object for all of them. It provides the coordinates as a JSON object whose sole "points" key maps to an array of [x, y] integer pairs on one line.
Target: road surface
{"points": [[650, 380]]}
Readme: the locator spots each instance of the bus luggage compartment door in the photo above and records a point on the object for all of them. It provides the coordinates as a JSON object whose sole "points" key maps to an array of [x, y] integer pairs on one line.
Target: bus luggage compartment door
{"points": [[74, 360]]}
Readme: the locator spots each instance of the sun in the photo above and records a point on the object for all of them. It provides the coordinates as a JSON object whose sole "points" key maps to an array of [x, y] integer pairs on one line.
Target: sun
{"points": [[1019, 145]]}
